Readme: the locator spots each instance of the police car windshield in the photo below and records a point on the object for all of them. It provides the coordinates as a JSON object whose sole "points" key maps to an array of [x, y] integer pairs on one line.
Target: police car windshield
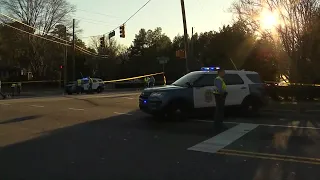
{"points": [[188, 78]]}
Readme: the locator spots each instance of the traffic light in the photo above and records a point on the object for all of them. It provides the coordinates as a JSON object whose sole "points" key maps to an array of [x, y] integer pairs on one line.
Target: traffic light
{"points": [[122, 31], [102, 42], [111, 34], [61, 66]]}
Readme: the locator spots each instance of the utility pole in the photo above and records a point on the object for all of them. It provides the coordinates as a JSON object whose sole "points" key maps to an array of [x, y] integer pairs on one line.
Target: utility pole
{"points": [[186, 44], [73, 51], [65, 63], [192, 49]]}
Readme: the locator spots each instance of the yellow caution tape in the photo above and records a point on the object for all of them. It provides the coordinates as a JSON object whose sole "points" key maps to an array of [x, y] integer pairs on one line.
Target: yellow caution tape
{"points": [[138, 77]]}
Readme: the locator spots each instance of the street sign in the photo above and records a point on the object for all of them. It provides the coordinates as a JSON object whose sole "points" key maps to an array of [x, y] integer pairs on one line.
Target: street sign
{"points": [[163, 60]]}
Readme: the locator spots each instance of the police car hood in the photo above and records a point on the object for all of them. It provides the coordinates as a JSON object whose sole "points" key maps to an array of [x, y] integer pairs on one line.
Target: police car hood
{"points": [[163, 88]]}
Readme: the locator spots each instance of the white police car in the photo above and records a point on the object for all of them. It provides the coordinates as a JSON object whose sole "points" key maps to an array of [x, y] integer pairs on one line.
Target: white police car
{"points": [[97, 86], [193, 92]]}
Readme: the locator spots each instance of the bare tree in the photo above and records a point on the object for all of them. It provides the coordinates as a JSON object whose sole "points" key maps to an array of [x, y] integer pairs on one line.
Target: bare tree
{"points": [[296, 18], [41, 14], [44, 16]]}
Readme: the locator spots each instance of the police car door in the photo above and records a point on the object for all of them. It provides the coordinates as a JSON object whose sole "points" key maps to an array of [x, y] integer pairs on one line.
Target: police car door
{"points": [[236, 88], [203, 91], [95, 84]]}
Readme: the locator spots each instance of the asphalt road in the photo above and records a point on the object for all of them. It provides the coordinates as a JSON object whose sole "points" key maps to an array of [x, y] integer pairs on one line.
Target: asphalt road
{"points": [[107, 137]]}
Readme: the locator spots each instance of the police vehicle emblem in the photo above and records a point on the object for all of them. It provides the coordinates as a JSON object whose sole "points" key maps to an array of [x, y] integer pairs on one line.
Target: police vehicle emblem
{"points": [[208, 96]]}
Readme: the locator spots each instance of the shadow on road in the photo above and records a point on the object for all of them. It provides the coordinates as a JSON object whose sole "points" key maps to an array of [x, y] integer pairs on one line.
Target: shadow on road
{"points": [[120, 147], [20, 119]]}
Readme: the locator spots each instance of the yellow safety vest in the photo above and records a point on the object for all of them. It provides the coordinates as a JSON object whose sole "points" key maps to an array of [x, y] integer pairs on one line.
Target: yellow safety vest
{"points": [[224, 86], [79, 82], [13, 85]]}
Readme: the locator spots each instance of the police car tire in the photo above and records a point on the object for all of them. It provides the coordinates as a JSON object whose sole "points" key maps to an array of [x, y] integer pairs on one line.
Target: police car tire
{"points": [[171, 110], [250, 106], [99, 90]]}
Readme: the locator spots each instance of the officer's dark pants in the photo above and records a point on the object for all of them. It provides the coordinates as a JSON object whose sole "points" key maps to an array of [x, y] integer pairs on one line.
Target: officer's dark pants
{"points": [[79, 90], [18, 90], [219, 112], [12, 91], [90, 88]]}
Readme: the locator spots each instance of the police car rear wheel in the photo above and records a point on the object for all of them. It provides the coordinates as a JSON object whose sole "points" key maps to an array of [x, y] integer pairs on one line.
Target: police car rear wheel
{"points": [[250, 107]]}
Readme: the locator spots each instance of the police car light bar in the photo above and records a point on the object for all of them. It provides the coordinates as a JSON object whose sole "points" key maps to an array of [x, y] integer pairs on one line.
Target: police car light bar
{"points": [[209, 68]]}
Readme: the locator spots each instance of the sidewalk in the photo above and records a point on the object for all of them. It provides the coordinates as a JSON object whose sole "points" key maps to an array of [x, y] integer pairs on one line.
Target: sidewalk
{"points": [[312, 107]]}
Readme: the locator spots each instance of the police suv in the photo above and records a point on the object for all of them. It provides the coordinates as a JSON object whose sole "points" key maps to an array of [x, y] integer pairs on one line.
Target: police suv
{"points": [[97, 86], [194, 91]]}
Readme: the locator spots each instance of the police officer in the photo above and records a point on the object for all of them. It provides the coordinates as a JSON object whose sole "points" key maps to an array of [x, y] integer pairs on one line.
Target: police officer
{"points": [[147, 81], [90, 84], [79, 83], [220, 94], [13, 88], [152, 81], [19, 87]]}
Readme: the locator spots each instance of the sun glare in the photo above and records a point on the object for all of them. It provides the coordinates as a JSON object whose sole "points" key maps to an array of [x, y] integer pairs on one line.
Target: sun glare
{"points": [[268, 20]]}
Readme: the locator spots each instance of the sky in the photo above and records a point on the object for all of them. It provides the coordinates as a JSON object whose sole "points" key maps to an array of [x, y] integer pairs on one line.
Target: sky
{"points": [[97, 17]]}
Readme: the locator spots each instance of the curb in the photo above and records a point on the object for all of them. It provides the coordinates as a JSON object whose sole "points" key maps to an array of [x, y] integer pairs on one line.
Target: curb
{"points": [[301, 111]]}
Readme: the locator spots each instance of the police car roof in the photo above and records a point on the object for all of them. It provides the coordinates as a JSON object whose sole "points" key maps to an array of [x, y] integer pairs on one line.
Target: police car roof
{"points": [[226, 71]]}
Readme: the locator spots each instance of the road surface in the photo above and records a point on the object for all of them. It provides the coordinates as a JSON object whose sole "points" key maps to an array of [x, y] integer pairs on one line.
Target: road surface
{"points": [[107, 137]]}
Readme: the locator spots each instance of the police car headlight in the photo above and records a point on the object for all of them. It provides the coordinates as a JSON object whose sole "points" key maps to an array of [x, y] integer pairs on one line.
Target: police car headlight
{"points": [[158, 94]]}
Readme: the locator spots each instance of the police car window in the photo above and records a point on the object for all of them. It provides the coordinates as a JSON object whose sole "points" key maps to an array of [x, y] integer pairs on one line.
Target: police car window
{"points": [[206, 80], [255, 78], [233, 79], [191, 78]]}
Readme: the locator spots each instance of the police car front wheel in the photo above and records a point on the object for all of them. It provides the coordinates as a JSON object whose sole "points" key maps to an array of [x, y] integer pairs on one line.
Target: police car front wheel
{"points": [[176, 111]]}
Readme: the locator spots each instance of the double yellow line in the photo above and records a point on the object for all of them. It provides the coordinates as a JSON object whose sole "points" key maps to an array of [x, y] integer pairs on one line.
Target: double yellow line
{"points": [[267, 156]]}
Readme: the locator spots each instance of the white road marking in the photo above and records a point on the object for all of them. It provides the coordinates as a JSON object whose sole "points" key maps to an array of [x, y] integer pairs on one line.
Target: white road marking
{"points": [[128, 114], [268, 125], [223, 139], [4, 104], [75, 109], [37, 106], [127, 98]]}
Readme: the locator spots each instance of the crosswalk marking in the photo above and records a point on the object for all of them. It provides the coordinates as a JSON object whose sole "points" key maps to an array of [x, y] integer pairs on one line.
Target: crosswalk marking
{"points": [[223, 139]]}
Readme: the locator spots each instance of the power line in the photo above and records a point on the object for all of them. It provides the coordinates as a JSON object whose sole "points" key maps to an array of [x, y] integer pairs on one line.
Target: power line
{"points": [[81, 49], [97, 13], [16, 20], [136, 12], [92, 20], [126, 20], [36, 35]]}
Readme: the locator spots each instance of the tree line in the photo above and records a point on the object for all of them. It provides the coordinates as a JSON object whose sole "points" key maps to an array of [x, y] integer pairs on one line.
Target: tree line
{"points": [[291, 49]]}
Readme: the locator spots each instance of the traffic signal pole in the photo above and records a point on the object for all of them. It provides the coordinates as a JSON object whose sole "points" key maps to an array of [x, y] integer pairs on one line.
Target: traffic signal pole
{"points": [[65, 76], [186, 44], [73, 51]]}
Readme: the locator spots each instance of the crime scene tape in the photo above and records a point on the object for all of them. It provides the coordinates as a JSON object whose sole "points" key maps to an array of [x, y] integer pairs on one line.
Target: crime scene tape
{"points": [[137, 77], [109, 81]]}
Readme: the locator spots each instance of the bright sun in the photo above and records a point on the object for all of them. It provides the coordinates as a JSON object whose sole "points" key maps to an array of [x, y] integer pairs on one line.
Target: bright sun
{"points": [[268, 20]]}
